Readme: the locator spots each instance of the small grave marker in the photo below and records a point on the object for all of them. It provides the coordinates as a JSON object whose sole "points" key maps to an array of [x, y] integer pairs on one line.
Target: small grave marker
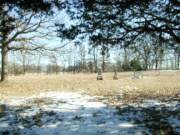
{"points": [[115, 77], [99, 76], [137, 75]]}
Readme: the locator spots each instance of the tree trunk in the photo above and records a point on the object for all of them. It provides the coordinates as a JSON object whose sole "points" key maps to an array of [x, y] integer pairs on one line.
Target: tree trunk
{"points": [[23, 61], [178, 61], [103, 63], [4, 63], [95, 60], [146, 63], [156, 62]]}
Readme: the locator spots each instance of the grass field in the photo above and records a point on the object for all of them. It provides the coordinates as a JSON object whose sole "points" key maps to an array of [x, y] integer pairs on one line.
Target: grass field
{"points": [[155, 84], [78, 104]]}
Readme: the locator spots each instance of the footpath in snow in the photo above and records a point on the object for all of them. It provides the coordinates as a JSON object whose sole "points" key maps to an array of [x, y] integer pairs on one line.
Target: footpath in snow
{"points": [[73, 113]]}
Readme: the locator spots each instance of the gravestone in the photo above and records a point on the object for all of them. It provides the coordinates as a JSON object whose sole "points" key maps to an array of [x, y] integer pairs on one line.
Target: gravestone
{"points": [[137, 75], [99, 76], [115, 77]]}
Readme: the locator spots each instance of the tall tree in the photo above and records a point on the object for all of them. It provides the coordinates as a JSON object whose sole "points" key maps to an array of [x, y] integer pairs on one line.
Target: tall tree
{"points": [[17, 19]]}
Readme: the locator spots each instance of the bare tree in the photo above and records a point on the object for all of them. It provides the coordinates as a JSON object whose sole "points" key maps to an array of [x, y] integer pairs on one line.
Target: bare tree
{"points": [[54, 63], [177, 57], [93, 62], [23, 57], [38, 63], [95, 59], [82, 53], [25, 31], [105, 55]]}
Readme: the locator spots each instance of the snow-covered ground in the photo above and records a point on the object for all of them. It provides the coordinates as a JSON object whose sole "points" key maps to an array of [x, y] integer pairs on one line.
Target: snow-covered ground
{"points": [[73, 113]]}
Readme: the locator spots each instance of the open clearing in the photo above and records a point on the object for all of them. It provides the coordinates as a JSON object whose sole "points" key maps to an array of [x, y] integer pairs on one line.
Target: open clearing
{"points": [[67, 104], [153, 85]]}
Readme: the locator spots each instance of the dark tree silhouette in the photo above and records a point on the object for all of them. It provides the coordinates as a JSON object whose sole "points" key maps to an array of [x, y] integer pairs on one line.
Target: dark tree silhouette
{"points": [[114, 22]]}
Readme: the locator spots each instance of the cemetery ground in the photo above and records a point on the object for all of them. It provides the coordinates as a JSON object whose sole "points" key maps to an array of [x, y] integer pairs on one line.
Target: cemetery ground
{"points": [[78, 104]]}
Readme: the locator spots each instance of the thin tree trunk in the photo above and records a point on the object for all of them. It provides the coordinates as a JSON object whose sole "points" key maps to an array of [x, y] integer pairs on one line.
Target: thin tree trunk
{"points": [[95, 60], [103, 63], [156, 61], [24, 65], [178, 62], [38, 64], [146, 63], [4, 63]]}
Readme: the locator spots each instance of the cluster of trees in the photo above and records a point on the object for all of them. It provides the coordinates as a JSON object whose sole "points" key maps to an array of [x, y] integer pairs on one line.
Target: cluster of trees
{"points": [[147, 30], [84, 58]]}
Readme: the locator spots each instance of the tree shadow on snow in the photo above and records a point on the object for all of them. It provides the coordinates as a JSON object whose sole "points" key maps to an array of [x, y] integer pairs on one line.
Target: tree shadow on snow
{"points": [[54, 120]]}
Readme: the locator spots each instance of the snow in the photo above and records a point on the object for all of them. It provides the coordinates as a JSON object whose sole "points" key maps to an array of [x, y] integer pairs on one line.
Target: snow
{"points": [[126, 125], [3, 125], [75, 113]]}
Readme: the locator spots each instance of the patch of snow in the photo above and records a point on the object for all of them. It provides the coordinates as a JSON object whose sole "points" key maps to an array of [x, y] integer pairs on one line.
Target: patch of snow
{"points": [[150, 103], [73, 113], [4, 125], [126, 125]]}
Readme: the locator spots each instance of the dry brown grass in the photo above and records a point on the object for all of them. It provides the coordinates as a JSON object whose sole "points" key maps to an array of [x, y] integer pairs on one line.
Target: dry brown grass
{"points": [[152, 85]]}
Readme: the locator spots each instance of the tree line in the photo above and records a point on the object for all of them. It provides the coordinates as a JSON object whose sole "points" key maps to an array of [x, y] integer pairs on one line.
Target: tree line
{"points": [[88, 60]]}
